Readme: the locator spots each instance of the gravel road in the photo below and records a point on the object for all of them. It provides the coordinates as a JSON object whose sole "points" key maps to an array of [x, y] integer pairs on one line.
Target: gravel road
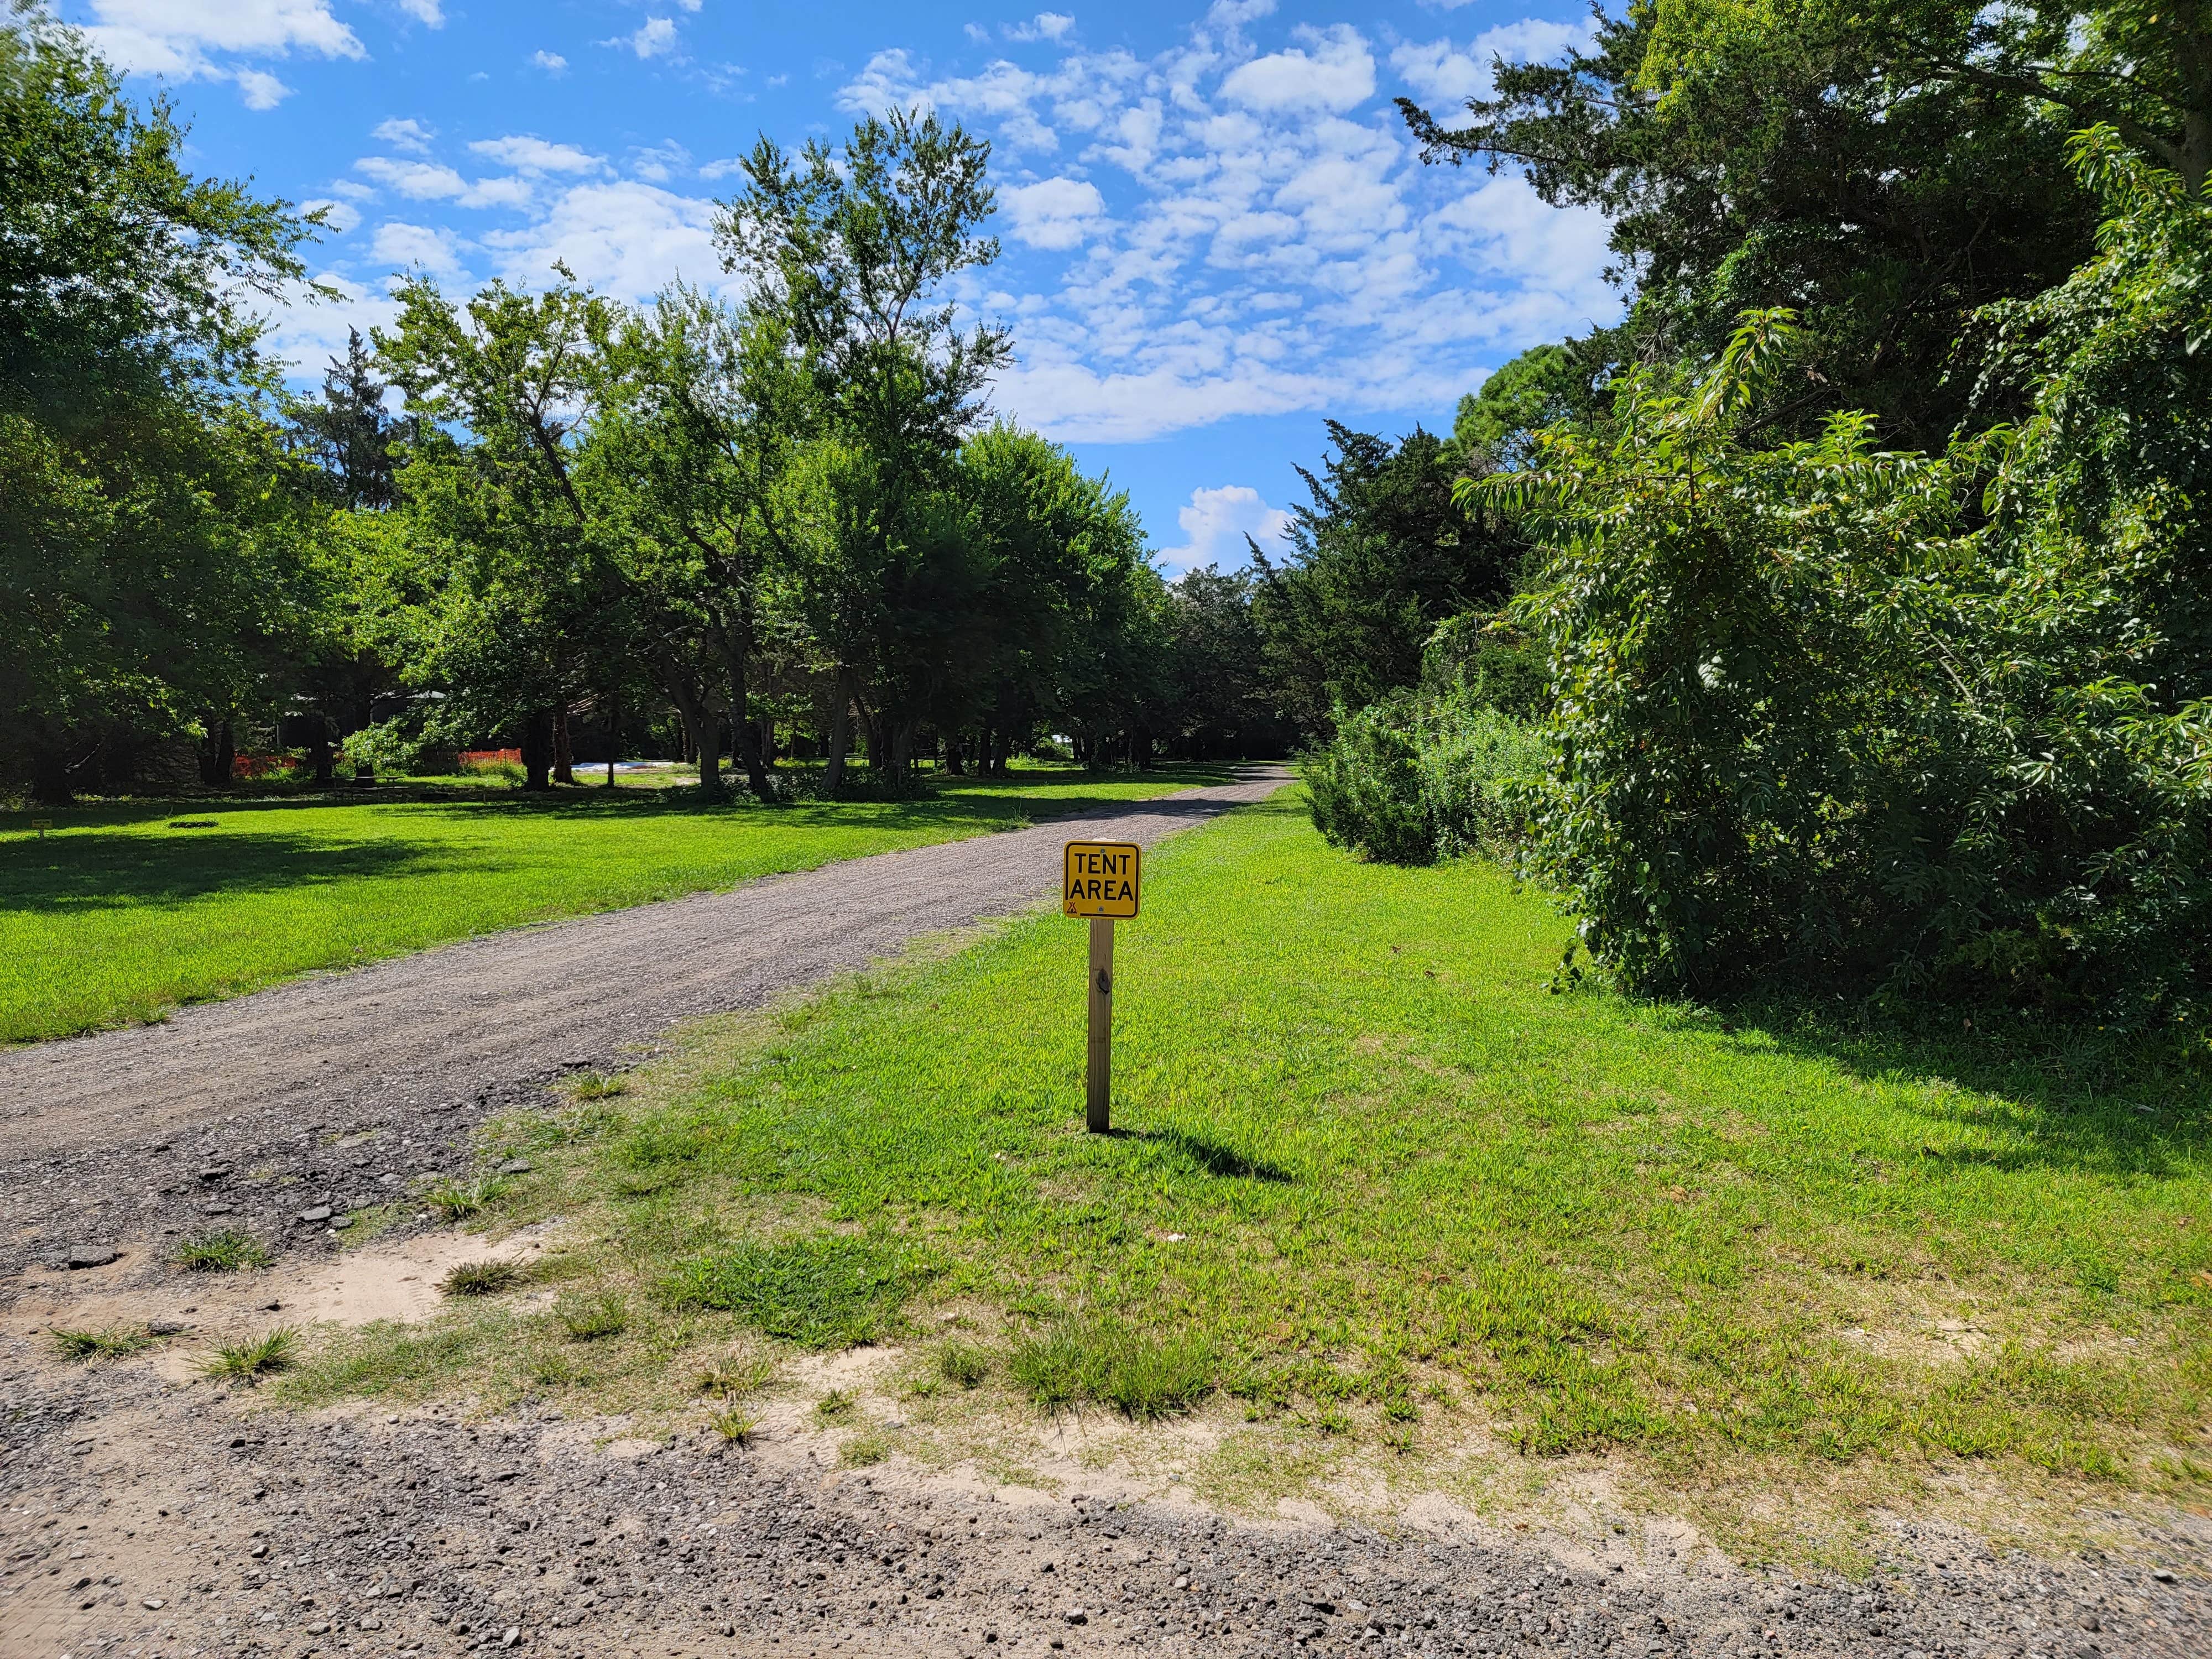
{"points": [[143, 1512]]}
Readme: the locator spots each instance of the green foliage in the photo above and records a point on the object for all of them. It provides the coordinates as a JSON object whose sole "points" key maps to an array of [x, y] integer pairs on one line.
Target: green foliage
{"points": [[150, 520], [1543, 386], [1422, 775], [830, 1290], [1808, 717], [1883, 170], [222, 1249], [1382, 554]]}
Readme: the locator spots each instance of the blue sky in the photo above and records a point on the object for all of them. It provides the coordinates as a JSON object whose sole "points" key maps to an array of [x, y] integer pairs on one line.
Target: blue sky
{"points": [[1215, 230]]}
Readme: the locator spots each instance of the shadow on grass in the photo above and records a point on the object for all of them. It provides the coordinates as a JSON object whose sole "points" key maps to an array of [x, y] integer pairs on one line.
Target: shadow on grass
{"points": [[1204, 1156], [84, 868], [2060, 1096]]}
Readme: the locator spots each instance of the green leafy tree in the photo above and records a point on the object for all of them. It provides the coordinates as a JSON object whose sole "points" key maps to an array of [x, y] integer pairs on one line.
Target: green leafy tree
{"points": [[149, 516], [498, 388], [849, 252], [1382, 554], [1884, 171]]}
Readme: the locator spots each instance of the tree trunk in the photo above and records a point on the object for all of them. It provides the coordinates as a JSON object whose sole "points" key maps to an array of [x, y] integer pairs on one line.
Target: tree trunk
{"points": [[226, 756], [952, 756], [875, 724], [840, 728], [564, 752], [902, 746], [364, 709], [318, 750], [537, 750], [703, 728], [744, 731], [767, 740], [50, 777], [614, 732]]}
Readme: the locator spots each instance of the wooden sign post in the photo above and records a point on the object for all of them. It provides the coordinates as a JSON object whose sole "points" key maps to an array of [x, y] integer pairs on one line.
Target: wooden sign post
{"points": [[1101, 882]]}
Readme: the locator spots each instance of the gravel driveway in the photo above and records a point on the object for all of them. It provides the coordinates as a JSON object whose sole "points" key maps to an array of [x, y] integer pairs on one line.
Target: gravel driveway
{"points": [[144, 1513]]}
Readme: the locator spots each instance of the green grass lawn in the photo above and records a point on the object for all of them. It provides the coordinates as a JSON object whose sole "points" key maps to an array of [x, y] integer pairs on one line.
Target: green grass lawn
{"points": [[119, 913], [1375, 1181]]}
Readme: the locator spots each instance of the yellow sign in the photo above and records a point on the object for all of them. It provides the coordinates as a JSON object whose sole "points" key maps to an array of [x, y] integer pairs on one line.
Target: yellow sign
{"points": [[1101, 880]]}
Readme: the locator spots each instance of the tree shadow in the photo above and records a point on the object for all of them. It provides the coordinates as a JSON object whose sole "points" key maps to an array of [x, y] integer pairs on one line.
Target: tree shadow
{"points": [[81, 873], [1208, 1157], [2058, 1097]]}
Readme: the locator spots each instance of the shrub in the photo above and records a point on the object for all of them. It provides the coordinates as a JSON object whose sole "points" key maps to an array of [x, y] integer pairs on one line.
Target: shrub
{"points": [[222, 1249], [1817, 720], [1422, 775]]}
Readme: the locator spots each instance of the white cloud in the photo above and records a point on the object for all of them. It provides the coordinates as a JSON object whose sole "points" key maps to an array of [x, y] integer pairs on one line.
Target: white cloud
{"points": [[976, 33], [525, 154], [201, 39], [1235, 13], [658, 163], [259, 89], [552, 62], [405, 247], [403, 135], [429, 13], [1445, 73], [1045, 26], [1057, 213], [1216, 523], [432, 181], [627, 238], [1227, 232], [1339, 75], [310, 330], [655, 38]]}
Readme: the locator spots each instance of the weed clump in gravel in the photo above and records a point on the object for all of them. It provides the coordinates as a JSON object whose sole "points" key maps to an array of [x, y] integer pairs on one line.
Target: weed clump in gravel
{"points": [[597, 1085], [833, 1405], [735, 1425], [110, 1344], [481, 1279], [222, 1251], [455, 1198], [1142, 1376], [587, 1318], [248, 1362]]}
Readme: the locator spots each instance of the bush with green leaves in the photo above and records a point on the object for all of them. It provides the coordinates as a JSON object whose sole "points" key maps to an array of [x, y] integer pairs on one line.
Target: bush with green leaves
{"points": [[1422, 775], [1815, 715]]}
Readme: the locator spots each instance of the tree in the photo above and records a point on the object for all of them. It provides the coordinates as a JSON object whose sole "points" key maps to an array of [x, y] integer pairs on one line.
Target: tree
{"points": [[849, 253], [498, 388], [1382, 553], [1883, 172], [1542, 386], [697, 431], [148, 513], [1217, 702]]}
